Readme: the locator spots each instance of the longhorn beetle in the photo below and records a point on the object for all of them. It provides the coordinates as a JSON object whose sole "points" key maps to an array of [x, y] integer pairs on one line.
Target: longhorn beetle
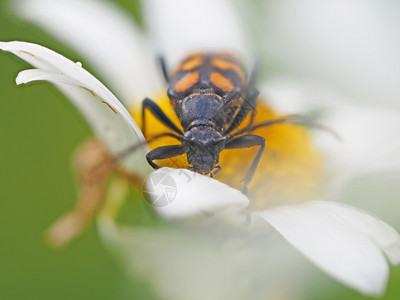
{"points": [[211, 95]]}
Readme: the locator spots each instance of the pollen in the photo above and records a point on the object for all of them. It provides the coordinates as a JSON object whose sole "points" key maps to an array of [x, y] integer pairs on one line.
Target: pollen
{"points": [[290, 169]]}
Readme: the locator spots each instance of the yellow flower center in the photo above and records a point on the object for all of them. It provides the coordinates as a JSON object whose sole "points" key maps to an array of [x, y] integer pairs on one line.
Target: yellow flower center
{"points": [[290, 169]]}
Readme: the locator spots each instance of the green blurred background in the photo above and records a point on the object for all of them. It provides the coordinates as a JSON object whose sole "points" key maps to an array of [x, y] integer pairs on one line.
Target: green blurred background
{"points": [[39, 131]]}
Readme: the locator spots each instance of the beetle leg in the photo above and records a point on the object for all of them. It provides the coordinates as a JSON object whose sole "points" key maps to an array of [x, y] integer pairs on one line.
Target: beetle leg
{"points": [[251, 102], [295, 120], [247, 141], [218, 168], [249, 105], [163, 66], [252, 93], [164, 152], [159, 114], [254, 73]]}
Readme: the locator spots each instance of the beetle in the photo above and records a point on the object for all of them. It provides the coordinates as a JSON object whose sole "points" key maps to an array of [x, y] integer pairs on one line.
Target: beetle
{"points": [[211, 95]]}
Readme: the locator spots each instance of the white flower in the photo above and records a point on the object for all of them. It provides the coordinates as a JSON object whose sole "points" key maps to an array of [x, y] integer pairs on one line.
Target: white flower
{"points": [[346, 243]]}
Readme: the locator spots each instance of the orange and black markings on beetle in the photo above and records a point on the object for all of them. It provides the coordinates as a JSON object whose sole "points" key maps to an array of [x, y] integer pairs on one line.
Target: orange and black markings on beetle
{"points": [[211, 96]]}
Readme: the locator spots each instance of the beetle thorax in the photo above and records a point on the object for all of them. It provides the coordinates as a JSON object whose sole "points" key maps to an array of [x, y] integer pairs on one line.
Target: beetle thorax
{"points": [[201, 109]]}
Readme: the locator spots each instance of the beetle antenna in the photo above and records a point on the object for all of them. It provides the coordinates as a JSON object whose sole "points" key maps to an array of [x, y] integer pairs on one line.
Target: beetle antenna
{"points": [[292, 119], [116, 159]]}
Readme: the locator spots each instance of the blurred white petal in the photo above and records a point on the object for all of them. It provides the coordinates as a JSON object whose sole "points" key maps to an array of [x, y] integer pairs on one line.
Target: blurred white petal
{"points": [[189, 265], [181, 260], [179, 27], [345, 242], [352, 45], [368, 133], [375, 229], [374, 191], [191, 193], [105, 36], [117, 129]]}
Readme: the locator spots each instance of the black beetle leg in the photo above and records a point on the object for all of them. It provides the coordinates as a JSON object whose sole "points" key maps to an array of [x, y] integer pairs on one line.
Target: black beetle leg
{"points": [[247, 141], [249, 105], [218, 168], [163, 66], [251, 102], [164, 152], [159, 114]]}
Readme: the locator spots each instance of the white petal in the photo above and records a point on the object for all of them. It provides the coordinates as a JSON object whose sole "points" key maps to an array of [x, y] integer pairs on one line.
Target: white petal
{"points": [[378, 231], [352, 45], [344, 242], [368, 132], [105, 36], [183, 26], [376, 192], [198, 261], [48, 60], [177, 193], [207, 260], [27, 76], [113, 124]]}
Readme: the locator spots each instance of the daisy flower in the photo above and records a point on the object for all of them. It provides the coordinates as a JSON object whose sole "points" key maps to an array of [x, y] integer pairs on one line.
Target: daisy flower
{"points": [[208, 240]]}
